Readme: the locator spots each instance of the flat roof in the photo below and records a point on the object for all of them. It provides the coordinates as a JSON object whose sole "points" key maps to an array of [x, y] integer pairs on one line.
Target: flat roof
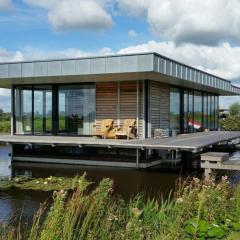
{"points": [[192, 142], [140, 66]]}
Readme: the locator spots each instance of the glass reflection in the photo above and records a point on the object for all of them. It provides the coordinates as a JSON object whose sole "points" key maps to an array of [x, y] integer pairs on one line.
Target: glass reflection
{"points": [[197, 122], [23, 110], [42, 109], [175, 109], [76, 109]]}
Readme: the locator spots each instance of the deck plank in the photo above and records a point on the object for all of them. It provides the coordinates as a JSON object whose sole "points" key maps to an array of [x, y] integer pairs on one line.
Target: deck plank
{"points": [[187, 142]]}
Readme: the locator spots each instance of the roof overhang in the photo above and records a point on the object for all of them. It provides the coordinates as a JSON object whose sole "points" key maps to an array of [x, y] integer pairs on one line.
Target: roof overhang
{"points": [[143, 66]]}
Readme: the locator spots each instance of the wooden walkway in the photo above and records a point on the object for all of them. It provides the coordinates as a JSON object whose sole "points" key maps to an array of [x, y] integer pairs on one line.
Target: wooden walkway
{"points": [[218, 161], [186, 142]]}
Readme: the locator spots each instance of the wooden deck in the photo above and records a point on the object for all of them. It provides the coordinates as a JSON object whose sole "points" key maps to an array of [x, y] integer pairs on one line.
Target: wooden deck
{"points": [[186, 142], [218, 161]]}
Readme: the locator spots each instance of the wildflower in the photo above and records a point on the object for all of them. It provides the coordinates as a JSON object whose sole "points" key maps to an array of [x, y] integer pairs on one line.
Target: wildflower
{"points": [[179, 200], [215, 225], [196, 180], [37, 182], [45, 183], [50, 178], [136, 212], [224, 178]]}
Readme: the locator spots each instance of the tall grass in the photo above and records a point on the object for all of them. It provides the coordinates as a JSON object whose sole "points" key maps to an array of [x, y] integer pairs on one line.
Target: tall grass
{"points": [[197, 210]]}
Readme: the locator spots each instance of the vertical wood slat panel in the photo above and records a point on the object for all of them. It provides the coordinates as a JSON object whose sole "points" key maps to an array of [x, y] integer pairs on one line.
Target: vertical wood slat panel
{"points": [[106, 102], [159, 101], [140, 122]]}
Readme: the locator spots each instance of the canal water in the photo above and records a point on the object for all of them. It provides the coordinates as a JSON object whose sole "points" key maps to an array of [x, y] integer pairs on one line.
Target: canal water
{"points": [[15, 203]]}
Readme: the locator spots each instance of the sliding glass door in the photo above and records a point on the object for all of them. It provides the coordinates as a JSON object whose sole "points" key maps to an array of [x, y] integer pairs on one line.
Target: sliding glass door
{"points": [[70, 109], [23, 110], [42, 109], [76, 104]]}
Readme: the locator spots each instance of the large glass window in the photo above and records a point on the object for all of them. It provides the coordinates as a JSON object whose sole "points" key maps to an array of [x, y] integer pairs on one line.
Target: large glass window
{"points": [[23, 110], [205, 110], [188, 111], [33, 109], [198, 111], [216, 112], [175, 109], [76, 104], [212, 118], [42, 109]]}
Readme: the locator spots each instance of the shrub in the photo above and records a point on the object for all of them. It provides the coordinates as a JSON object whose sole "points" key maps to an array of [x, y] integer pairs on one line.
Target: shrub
{"points": [[198, 210]]}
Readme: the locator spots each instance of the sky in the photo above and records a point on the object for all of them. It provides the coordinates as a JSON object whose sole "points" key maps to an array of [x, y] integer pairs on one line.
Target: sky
{"points": [[203, 34]]}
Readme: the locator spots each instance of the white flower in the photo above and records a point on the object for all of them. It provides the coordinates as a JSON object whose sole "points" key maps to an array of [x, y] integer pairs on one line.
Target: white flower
{"points": [[45, 183], [180, 200], [37, 182]]}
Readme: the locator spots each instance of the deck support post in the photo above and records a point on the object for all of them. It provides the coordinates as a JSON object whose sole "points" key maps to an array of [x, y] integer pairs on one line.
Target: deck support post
{"points": [[137, 158], [207, 173]]}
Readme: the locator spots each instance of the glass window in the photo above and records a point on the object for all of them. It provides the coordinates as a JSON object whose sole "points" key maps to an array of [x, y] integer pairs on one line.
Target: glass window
{"points": [[216, 112], [209, 110], [197, 124], [23, 110], [205, 111], [42, 109], [186, 110], [76, 109], [175, 109], [212, 117]]}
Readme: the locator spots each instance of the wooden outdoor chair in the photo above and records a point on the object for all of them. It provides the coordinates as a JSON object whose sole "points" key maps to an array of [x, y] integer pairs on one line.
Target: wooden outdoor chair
{"points": [[105, 129], [128, 129]]}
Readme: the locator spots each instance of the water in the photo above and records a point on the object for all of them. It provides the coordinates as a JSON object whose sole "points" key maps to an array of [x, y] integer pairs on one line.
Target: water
{"points": [[14, 203]]}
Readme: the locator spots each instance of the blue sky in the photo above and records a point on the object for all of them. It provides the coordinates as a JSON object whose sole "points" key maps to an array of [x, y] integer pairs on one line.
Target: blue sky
{"points": [[202, 34]]}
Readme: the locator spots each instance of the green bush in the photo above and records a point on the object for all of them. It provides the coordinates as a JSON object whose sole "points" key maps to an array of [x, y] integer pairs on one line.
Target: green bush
{"points": [[5, 126], [231, 123]]}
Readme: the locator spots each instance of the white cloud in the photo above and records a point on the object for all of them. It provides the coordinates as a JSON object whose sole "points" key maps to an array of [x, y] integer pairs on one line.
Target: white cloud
{"points": [[10, 56], [222, 60], [134, 7], [4, 92], [6, 5], [30, 53], [201, 22], [132, 34], [66, 15]]}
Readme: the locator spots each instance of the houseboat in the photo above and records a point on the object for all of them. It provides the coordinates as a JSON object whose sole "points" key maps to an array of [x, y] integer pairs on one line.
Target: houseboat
{"points": [[100, 110]]}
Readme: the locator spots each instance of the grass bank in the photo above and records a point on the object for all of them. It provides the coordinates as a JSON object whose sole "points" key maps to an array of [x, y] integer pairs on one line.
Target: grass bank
{"points": [[197, 210]]}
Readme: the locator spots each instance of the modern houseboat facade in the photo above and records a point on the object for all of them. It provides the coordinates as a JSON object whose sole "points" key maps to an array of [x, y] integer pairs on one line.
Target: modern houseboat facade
{"points": [[71, 97]]}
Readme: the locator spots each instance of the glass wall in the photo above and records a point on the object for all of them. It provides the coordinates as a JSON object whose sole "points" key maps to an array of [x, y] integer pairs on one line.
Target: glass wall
{"points": [[42, 109], [76, 109], [175, 109], [23, 110], [64, 109], [205, 110], [200, 111]]}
